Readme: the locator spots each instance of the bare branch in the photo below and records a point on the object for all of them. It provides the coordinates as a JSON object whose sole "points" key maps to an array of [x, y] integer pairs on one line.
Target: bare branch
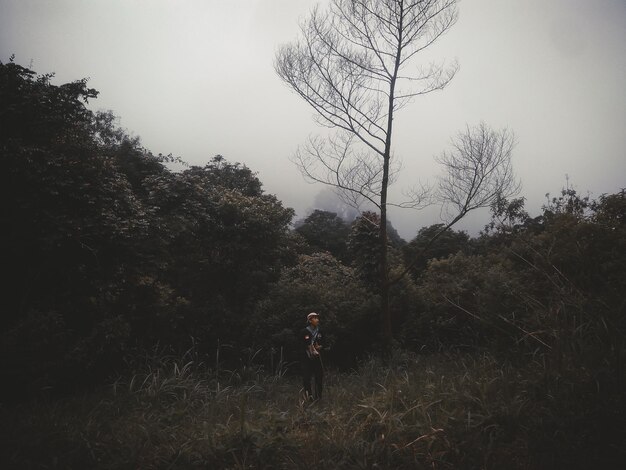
{"points": [[478, 169], [417, 197], [346, 67], [338, 162]]}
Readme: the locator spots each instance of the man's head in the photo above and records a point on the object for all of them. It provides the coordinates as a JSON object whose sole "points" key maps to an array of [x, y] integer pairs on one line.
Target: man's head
{"points": [[313, 318]]}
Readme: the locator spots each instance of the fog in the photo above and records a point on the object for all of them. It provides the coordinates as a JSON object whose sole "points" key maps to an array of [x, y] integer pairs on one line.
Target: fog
{"points": [[195, 78]]}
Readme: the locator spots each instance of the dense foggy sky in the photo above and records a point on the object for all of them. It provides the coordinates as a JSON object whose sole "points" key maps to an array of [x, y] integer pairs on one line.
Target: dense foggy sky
{"points": [[195, 78]]}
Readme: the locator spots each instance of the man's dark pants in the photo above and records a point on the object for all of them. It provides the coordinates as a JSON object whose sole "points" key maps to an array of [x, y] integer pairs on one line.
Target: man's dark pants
{"points": [[312, 369]]}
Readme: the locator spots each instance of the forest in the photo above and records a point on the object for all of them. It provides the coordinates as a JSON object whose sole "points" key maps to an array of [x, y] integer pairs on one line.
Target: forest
{"points": [[150, 316]]}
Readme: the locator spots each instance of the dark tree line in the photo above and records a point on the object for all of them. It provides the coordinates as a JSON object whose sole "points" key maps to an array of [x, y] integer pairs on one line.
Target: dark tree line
{"points": [[107, 252], [106, 249]]}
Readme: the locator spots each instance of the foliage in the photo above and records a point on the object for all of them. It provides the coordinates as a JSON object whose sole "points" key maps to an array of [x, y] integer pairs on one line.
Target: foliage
{"points": [[326, 231], [576, 266], [317, 283], [469, 301], [550, 285], [109, 249], [462, 411], [108, 253], [73, 223], [224, 244], [430, 244], [364, 246], [365, 251], [610, 210]]}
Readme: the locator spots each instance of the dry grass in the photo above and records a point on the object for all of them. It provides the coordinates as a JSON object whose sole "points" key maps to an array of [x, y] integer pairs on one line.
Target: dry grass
{"points": [[435, 412]]}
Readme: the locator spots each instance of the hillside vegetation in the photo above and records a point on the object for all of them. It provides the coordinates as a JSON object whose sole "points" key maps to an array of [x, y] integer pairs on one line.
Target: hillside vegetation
{"points": [[150, 315]]}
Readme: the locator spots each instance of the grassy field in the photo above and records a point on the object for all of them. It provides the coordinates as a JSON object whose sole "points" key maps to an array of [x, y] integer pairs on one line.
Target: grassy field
{"points": [[446, 411]]}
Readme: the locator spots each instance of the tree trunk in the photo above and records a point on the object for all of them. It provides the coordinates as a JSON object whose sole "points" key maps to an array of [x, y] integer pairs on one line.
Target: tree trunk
{"points": [[384, 271], [384, 275]]}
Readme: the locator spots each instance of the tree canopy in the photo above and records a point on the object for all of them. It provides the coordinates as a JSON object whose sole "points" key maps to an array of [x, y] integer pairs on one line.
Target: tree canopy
{"points": [[108, 249]]}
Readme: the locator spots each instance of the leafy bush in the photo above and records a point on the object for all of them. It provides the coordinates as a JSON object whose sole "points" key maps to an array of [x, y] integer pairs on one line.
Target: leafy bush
{"points": [[318, 283], [469, 300], [462, 411], [109, 249]]}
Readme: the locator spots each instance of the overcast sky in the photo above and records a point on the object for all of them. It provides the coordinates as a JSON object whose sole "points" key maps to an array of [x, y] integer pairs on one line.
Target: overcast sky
{"points": [[195, 78]]}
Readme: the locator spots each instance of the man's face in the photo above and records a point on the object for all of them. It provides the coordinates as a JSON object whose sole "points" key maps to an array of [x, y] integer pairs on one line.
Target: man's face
{"points": [[314, 321]]}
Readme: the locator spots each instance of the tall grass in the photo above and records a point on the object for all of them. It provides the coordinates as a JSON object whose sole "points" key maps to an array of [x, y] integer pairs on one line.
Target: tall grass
{"points": [[439, 411]]}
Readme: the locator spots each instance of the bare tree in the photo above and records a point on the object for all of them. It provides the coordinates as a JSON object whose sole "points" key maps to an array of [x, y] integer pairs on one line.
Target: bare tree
{"points": [[354, 66], [477, 172]]}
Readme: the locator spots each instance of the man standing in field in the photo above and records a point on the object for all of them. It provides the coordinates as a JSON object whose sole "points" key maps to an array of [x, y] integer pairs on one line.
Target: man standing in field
{"points": [[312, 368]]}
